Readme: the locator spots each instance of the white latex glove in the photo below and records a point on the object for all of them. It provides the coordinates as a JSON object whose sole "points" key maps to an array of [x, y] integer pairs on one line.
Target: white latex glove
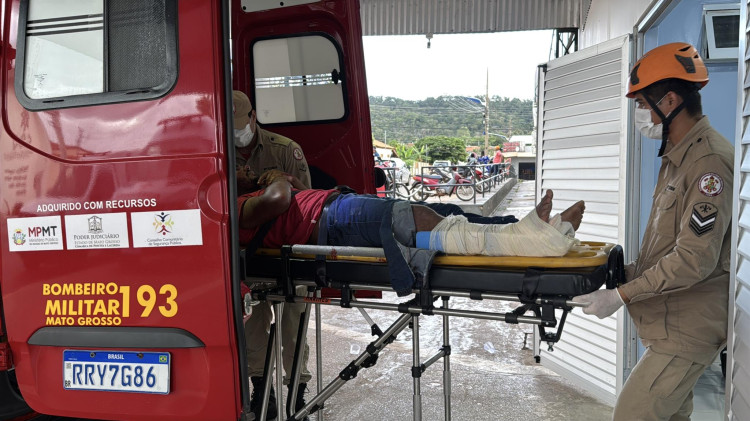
{"points": [[601, 303]]}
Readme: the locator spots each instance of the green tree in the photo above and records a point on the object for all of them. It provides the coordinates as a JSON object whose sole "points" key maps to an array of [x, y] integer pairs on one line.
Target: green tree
{"points": [[407, 121], [442, 148]]}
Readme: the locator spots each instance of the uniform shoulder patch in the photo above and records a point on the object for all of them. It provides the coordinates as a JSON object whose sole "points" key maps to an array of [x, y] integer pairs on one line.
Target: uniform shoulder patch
{"points": [[297, 153], [711, 184], [703, 218]]}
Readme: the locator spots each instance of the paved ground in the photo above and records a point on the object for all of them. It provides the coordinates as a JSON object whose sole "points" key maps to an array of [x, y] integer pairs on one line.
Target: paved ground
{"points": [[494, 376]]}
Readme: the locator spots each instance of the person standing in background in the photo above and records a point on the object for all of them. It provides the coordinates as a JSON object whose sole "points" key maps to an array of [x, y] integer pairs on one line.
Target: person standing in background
{"points": [[497, 160]]}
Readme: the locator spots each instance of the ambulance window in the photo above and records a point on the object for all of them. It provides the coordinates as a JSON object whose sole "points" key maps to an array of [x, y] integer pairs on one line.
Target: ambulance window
{"points": [[82, 52], [298, 79]]}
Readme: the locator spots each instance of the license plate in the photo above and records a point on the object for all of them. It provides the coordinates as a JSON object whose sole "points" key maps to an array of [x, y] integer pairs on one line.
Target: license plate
{"points": [[116, 371]]}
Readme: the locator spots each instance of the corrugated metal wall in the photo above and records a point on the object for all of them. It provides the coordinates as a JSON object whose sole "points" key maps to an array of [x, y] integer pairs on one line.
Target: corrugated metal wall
{"points": [[739, 370], [410, 17], [583, 114]]}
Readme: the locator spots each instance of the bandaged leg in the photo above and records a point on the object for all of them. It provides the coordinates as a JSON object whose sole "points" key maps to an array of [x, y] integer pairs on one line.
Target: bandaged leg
{"points": [[529, 237]]}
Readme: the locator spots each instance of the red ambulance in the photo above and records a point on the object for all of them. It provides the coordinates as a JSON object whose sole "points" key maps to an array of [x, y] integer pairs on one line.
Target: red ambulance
{"points": [[120, 266]]}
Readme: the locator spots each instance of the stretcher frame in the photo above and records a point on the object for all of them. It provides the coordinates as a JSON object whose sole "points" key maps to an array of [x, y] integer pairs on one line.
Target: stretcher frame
{"points": [[541, 285]]}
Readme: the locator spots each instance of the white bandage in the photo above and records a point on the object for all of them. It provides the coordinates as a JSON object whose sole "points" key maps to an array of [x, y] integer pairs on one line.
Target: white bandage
{"points": [[563, 227], [529, 237]]}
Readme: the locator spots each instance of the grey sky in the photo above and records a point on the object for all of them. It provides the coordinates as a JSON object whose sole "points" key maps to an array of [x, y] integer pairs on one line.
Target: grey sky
{"points": [[403, 66]]}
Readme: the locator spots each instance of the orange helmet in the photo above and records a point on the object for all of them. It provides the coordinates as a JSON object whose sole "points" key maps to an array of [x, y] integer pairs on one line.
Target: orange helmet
{"points": [[678, 60], [497, 148]]}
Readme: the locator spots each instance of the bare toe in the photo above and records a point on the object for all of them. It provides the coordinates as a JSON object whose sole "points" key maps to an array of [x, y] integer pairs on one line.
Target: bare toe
{"points": [[574, 214], [544, 208]]}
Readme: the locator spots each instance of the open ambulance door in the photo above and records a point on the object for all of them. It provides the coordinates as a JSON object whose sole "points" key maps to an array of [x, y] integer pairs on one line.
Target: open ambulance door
{"points": [[116, 206], [302, 65], [12, 404]]}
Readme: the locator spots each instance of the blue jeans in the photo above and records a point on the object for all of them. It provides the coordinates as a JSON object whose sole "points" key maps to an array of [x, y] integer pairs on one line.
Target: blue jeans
{"points": [[355, 220], [366, 221]]}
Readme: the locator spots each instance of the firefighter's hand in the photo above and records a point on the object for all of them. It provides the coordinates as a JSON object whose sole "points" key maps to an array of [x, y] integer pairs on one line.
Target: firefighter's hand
{"points": [[602, 303], [247, 180]]}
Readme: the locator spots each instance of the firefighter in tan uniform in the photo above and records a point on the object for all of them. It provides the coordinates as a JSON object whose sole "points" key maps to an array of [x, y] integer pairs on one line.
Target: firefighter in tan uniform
{"points": [[677, 289], [257, 151]]}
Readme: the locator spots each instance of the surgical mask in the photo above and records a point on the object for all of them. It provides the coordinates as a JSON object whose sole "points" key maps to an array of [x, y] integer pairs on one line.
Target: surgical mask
{"points": [[243, 137], [644, 124]]}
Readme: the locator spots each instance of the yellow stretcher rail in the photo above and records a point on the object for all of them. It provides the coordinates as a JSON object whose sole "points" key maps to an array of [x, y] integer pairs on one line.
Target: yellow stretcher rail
{"points": [[584, 254]]}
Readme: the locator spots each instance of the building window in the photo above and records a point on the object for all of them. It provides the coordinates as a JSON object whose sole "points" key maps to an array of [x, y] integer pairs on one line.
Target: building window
{"points": [[722, 26], [298, 79], [83, 52]]}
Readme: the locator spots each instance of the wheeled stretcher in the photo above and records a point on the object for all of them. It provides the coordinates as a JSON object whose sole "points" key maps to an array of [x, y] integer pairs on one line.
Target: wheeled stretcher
{"points": [[540, 286]]}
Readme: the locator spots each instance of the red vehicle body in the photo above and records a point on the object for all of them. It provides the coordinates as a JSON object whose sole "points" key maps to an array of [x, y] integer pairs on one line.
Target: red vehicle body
{"points": [[154, 168]]}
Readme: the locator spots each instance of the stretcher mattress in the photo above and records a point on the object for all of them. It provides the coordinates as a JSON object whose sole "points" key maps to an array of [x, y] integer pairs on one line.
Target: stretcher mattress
{"points": [[585, 268]]}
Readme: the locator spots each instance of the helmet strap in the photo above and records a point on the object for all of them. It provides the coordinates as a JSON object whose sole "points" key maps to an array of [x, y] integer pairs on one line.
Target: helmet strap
{"points": [[665, 120]]}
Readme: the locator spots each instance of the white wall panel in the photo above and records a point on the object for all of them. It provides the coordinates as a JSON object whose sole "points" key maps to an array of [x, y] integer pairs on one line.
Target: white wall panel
{"points": [[585, 108], [607, 19], [582, 144], [738, 366]]}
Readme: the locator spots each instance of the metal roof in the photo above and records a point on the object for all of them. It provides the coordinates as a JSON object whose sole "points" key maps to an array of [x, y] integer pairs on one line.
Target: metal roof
{"points": [[410, 17]]}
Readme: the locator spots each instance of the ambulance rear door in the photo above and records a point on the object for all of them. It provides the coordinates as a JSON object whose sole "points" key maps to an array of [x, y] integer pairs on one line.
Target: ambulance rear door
{"points": [[116, 209], [302, 65]]}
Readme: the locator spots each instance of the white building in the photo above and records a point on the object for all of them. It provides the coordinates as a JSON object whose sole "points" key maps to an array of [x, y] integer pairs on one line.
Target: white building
{"points": [[521, 149]]}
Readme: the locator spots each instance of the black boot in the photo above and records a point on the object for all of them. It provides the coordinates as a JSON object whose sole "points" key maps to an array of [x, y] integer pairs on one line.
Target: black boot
{"points": [[256, 400], [300, 402]]}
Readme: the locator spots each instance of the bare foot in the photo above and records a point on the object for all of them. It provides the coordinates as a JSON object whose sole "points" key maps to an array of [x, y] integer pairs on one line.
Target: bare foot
{"points": [[574, 214], [544, 207]]}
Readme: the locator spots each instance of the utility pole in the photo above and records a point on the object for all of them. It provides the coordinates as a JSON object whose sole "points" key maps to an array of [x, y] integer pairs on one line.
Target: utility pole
{"points": [[487, 115], [510, 126]]}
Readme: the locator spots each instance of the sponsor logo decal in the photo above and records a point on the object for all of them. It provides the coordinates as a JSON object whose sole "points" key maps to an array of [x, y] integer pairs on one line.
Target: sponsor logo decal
{"points": [[95, 225], [96, 231], [33, 234], [163, 223], [19, 238], [703, 218], [168, 228]]}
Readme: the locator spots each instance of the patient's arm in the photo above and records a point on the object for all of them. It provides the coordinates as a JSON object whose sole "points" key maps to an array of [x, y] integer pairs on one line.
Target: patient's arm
{"points": [[269, 176], [274, 201]]}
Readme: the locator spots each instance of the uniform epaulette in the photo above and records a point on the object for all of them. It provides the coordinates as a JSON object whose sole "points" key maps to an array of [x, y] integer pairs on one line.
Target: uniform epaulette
{"points": [[702, 147], [279, 140]]}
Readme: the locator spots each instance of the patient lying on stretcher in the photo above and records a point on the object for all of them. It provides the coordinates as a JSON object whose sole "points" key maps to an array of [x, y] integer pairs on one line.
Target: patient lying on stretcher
{"points": [[367, 221]]}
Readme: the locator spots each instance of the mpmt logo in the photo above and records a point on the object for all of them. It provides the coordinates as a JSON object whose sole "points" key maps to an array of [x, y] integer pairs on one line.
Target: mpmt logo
{"points": [[19, 238], [49, 231]]}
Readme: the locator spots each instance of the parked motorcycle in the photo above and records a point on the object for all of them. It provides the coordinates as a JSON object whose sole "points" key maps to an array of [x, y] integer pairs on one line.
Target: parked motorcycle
{"points": [[481, 183], [396, 181], [441, 183]]}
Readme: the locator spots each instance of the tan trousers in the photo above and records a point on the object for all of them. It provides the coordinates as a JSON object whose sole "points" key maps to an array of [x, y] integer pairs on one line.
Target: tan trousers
{"points": [[256, 338], [659, 388]]}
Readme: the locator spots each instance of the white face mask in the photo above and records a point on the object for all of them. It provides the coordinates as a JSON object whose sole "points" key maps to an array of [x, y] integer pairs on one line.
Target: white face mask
{"points": [[243, 137], [644, 124]]}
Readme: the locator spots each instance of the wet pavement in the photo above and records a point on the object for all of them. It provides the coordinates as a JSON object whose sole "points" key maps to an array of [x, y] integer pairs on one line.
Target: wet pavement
{"points": [[493, 372]]}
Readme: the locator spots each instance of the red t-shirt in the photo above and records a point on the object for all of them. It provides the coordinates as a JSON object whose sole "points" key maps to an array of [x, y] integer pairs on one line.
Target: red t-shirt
{"points": [[293, 226], [498, 157]]}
